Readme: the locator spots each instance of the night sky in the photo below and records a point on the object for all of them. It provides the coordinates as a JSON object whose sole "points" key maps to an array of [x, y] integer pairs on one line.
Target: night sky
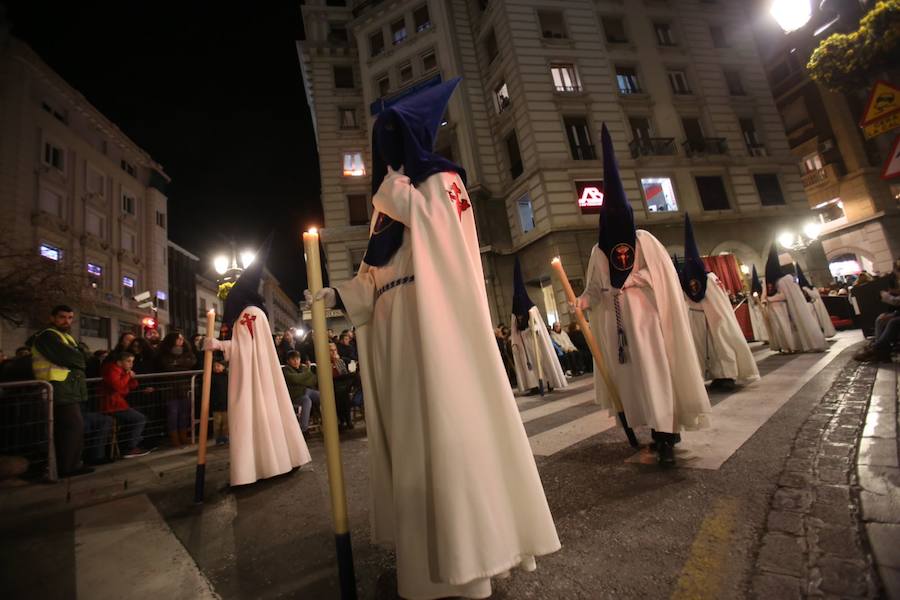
{"points": [[214, 94]]}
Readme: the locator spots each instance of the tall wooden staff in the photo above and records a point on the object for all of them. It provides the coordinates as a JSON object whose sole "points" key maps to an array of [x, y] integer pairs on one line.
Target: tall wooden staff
{"points": [[200, 478], [329, 420], [595, 349], [537, 354]]}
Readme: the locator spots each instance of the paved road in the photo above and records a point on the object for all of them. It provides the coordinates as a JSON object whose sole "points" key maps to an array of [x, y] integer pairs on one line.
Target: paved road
{"points": [[629, 530]]}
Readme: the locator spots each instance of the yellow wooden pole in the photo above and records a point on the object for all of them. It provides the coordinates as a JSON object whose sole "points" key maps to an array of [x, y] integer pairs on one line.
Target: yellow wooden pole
{"points": [[588, 335], [200, 478], [329, 419]]}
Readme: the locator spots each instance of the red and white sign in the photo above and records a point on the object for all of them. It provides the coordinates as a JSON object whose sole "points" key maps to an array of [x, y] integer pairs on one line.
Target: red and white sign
{"points": [[892, 164], [590, 196]]}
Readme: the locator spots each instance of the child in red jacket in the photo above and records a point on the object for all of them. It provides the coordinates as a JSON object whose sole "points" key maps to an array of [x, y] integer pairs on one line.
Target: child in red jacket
{"points": [[118, 382]]}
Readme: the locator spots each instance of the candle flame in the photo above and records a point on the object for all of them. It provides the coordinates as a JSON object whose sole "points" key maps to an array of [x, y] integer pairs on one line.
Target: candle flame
{"points": [[313, 230], [554, 260]]}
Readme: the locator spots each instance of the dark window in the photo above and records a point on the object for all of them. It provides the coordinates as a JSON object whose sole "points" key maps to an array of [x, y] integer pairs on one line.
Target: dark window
{"points": [[614, 28], [406, 72], [96, 327], [692, 130], [712, 192], [579, 135], [640, 128], [376, 43], [515, 158], [628, 81], [483, 4], [664, 35], [748, 129], [733, 80], [337, 33], [552, 24], [398, 31], [769, 189], [343, 78], [348, 118], [429, 61], [678, 81], [490, 46], [128, 167], [718, 36], [384, 85], [421, 18], [358, 205]]}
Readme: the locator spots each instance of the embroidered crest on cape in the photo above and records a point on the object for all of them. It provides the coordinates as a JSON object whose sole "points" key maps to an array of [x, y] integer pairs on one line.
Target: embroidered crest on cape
{"points": [[248, 321], [622, 257], [461, 203]]}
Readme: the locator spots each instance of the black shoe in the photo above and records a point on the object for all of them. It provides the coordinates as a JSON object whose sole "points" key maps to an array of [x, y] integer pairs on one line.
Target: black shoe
{"points": [[665, 454], [727, 385]]}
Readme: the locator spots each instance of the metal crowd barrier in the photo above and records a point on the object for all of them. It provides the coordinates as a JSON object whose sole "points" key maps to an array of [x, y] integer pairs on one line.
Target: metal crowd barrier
{"points": [[26, 424]]}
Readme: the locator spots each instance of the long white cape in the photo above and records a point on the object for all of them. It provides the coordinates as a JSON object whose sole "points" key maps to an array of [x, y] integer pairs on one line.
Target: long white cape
{"points": [[523, 354], [821, 312], [454, 486], [758, 319], [264, 435], [809, 334], [659, 384], [721, 347]]}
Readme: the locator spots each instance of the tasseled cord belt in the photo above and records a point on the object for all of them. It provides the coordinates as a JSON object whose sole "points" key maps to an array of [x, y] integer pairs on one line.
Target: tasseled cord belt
{"points": [[391, 285], [620, 330]]}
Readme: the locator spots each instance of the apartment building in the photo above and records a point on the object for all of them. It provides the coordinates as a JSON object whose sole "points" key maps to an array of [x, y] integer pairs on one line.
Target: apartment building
{"points": [[858, 210], [75, 189], [679, 83]]}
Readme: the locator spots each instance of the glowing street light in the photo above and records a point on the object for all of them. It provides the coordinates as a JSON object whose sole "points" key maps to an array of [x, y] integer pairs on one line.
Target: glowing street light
{"points": [[812, 230], [221, 264], [247, 257], [791, 15], [786, 239]]}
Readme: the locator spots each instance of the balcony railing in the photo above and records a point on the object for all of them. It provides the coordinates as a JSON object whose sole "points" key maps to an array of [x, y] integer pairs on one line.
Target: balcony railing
{"points": [[825, 176], [568, 89], [652, 147], [705, 146], [584, 152]]}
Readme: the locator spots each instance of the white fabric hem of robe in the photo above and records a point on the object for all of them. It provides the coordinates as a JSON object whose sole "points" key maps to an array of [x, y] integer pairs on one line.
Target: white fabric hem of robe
{"points": [[757, 320], [728, 355], [664, 336], [264, 435], [523, 354], [463, 494], [821, 313], [809, 334]]}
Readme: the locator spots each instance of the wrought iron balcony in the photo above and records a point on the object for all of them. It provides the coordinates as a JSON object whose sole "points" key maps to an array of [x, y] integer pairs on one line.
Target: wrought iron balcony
{"points": [[705, 146], [652, 147], [829, 174]]}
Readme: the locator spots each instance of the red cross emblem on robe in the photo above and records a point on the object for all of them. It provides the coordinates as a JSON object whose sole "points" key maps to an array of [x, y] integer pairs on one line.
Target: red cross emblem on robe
{"points": [[455, 197], [248, 321]]}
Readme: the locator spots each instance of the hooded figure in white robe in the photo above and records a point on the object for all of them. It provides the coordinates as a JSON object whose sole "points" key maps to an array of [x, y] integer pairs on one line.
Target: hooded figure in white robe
{"points": [[757, 316], [792, 326], [534, 373], [639, 320], [264, 434], [816, 304], [454, 486], [722, 350]]}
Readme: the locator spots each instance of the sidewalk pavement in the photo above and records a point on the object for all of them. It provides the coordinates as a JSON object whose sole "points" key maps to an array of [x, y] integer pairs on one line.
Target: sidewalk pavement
{"points": [[878, 473]]}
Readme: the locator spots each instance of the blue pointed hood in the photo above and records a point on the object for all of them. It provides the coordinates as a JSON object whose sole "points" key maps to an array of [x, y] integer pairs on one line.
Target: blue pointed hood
{"points": [[693, 273], [245, 291], [802, 281], [403, 136], [755, 284], [521, 303], [774, 271], [617, 235]]}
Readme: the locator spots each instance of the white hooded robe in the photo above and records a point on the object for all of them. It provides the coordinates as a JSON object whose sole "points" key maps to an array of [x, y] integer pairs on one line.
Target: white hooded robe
{"points": [[263, 431], [523, 354], [758, 319], [659, 384], [721, 347], [790, 320], [454, 486], [820, 312]]}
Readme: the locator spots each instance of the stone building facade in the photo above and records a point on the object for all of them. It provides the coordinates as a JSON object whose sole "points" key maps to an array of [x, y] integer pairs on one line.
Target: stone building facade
{"points": [[679, 83]]}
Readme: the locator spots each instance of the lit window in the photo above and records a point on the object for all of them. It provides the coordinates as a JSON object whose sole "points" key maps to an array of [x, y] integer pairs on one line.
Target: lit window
{"points": [[590, 196], [659, 194], [812, 162], [664, 35], [501, 97], [565, 77], [421, 18], [526, 213], [95, 270], [161, 299], [754, 146], [353, 164], [51, 252], [398, 31], [627, 79], [128, 287], [54, 156], [549, 303]]}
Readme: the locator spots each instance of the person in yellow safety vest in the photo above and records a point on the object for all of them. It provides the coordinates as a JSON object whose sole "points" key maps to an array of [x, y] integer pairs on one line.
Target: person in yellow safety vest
{"points": [[57, 358]]}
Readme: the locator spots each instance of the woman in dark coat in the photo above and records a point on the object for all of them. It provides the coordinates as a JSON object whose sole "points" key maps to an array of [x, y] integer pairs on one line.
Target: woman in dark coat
{"points": [[175, 355]]}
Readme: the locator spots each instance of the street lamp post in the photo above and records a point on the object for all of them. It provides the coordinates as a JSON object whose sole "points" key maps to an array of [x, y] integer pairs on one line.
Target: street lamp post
{"points": [[791, 15], [806, 243]]}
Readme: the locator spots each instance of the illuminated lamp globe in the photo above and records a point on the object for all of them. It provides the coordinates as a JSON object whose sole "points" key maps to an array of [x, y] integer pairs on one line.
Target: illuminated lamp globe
{"points": [[786, 239], [247, 258], [791, 15], [745, 269], [812, 230], [221, 264]]}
